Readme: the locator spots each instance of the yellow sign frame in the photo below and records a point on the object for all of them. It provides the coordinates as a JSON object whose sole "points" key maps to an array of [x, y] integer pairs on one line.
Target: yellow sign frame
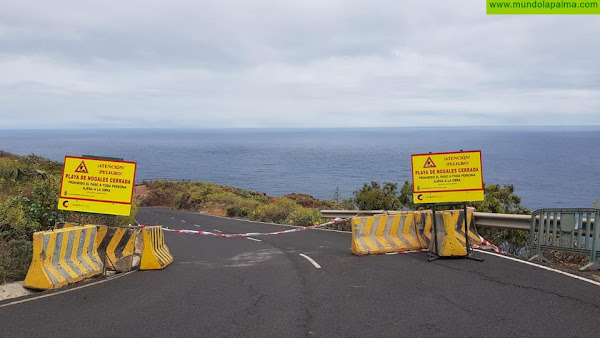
{"points": [[447, 177], [100, 186]]}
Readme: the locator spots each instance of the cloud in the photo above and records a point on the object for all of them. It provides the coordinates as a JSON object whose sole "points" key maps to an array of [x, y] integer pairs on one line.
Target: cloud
{"points": [[304, 64]]}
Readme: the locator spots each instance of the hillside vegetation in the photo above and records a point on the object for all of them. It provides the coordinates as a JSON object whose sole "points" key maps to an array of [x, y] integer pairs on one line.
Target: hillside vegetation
{"points": [[29, 187], [297, 209]]}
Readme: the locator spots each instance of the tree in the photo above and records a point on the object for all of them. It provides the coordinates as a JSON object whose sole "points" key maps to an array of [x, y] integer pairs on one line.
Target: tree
{"points": [[336, 195], [502, 200], [373, 197], [406, 197]]}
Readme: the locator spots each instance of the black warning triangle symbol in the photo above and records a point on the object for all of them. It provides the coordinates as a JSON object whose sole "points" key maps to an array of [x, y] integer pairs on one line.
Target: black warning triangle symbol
{"points": [[81, 168], [429, 163]]}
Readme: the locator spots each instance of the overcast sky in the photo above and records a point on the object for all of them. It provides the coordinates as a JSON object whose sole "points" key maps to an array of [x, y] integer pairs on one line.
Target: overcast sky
{"points": [[292, 64]]}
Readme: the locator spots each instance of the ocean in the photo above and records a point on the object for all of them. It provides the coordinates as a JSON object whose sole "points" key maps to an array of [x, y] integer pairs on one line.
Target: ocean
{"points": [[550, 167]]}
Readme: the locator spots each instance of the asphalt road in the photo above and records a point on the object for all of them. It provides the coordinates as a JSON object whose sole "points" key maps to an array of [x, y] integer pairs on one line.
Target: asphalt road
{"points": [[243, 287]]}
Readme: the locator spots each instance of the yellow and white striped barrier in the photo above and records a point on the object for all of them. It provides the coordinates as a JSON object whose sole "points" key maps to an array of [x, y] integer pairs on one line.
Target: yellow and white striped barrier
{"points": [[62, 257], [451, 234], [448, 244], [457, 218], [60, 225], [155, 255], [413, 230], [385, 233], [424, 226], [118, 244]]}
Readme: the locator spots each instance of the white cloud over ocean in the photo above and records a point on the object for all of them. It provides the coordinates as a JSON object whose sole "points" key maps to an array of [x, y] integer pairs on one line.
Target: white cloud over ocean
{"points": [[292, 64]]}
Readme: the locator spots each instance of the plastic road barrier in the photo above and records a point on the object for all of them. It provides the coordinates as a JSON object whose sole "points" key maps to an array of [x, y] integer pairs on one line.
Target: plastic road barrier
{"points": [[116, 247], [387, 233], [60, 225], [424, 225], [155, 255], [384, 233], [448, 244], [62, 257]]}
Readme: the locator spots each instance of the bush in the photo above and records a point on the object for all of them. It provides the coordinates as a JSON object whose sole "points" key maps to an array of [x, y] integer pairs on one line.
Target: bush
{"points": [[376, 197], [308, 201], [238, 211], [276, 212], [304, 217], [15, 258], [503, 200], [13, 221], [223, 197], [41, 207]]}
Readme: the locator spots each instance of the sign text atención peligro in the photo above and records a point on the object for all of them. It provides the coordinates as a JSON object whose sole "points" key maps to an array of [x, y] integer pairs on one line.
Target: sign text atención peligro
{"points": [[447, 177], [97, 186]]}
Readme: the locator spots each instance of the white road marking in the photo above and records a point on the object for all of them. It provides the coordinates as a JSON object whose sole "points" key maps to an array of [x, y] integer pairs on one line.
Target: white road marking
{"points": [[183, 221], [196, 225], [217, 230], [540, 266], [311, 260], [254, 239], [172, 217], [349, 233], [65, 291]]}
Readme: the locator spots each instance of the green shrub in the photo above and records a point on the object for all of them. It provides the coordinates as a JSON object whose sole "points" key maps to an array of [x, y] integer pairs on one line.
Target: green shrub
{"points": [[238, 211], [15, 258], [223, 197], [276, 212], [41, 207], [13, 221], [375, 197], [304, 217], [501, 200]]}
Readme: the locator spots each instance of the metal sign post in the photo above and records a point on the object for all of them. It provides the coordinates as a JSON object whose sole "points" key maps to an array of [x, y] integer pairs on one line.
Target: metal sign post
{"points": [[447, 179], [433, 255], [97, 185]]}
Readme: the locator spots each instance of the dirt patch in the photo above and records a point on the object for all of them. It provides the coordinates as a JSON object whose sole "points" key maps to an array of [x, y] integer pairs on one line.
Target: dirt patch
{"points": [[309, 201], [569, 262], [216, 211], [141, 192]]}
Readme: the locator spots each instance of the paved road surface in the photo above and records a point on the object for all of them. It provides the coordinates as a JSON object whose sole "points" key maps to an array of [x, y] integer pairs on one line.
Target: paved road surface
{"points": [[243, 287]]}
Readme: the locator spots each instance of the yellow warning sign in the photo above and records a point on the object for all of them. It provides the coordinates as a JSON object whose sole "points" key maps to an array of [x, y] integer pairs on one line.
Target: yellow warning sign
{"points": [[447, 177], [429, 163], [82, 168], [97, 186]]}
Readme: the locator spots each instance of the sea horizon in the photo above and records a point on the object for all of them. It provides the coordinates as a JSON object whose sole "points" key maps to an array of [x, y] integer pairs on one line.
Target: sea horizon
{"points": [[549, 166]]}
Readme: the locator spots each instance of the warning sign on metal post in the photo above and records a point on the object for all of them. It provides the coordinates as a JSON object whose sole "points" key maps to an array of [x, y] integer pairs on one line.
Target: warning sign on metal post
{"points": [[447, 177], [98, 186]]}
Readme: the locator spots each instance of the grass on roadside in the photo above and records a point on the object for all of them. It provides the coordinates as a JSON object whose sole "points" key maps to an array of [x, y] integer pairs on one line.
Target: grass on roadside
{"points": [[29, 187], [228, 201]]}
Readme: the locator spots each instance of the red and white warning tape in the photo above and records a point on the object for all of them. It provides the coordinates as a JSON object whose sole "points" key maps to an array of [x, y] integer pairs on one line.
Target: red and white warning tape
{"points": [[245, 234], [484, 241], [488, 245]]}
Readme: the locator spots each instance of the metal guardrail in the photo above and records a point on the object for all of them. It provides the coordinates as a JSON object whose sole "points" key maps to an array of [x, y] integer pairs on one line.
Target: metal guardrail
{"points": [[482, 219], [568, 230], [502, 221]]}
